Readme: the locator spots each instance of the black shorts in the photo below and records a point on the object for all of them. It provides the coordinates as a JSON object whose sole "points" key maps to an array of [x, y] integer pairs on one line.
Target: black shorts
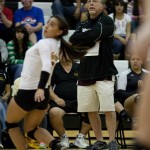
{"points": [[25, 99], [71, 106]]}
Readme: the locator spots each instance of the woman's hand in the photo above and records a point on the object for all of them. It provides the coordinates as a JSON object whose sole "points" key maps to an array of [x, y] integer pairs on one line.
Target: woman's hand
{"points": [[140, 85], [39, 95], [60, 102]]}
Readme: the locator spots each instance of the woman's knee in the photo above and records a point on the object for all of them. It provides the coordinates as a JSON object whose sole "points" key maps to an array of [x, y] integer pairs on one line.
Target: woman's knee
{"points": [[56, 113]]}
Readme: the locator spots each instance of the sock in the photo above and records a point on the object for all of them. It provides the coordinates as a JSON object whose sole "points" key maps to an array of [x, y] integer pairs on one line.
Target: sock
{"points": [[80, 135], [64, 135]]}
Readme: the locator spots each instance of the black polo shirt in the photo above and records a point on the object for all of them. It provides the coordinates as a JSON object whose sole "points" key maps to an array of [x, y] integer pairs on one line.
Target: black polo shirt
{"points": [[65, 84]]}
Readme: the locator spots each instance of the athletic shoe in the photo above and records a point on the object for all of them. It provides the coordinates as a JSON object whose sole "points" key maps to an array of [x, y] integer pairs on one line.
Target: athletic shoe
{"points": [[32, 143], [42, 145], [126, 117], [99, 145], [113, 145], [81, 141], [59, 146], [64, 141], [1, 146]]}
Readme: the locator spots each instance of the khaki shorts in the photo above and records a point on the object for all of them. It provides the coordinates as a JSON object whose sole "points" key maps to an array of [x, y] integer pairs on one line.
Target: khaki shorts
{"points": [[97, 97]]}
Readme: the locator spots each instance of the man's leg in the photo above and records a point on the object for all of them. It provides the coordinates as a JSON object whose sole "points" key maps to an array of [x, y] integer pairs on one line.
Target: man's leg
{"points": [[95, 122], [111, 124], [88, 102], [105, 92], [57, 8]]}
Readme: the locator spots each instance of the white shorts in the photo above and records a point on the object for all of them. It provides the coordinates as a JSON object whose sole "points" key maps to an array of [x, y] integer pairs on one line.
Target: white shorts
{"points": [[97, 97]]}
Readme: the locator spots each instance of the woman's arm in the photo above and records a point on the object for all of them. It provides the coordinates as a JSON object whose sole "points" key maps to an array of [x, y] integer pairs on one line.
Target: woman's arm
{"points": [[7, 92], [128, 31], [121, 39], [12, 55], [59, 101]]}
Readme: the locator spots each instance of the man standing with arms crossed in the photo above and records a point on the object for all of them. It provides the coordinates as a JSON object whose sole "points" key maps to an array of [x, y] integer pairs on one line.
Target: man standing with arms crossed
{"points": [[97, 71]]}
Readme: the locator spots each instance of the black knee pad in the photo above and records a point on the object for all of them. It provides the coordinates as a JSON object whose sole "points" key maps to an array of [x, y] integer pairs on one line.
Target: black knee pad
{"points": [[11, 125], [85, 118], [30, 134]]}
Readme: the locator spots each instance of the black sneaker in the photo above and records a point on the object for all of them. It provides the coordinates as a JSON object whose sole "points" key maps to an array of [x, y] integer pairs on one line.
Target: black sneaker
{"points": [[99, 145], [56, 145], [113, 145], [60, 147], [126, 117]]}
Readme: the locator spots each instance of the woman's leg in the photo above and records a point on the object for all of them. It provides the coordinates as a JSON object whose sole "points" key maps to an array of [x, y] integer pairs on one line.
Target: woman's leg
{"points": [[118, 46], [55, 115], [2, 115], [43, 124], [16, 71], [31, 126], [143, 113], [130, 105], [85, 126], [13, 116]]}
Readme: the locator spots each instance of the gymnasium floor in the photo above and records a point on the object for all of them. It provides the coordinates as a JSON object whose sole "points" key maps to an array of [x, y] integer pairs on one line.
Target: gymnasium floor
{"points": [[72, 134]]}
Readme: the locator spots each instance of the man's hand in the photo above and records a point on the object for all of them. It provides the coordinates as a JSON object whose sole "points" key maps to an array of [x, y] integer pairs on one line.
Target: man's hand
{"points": [[29, 28]]}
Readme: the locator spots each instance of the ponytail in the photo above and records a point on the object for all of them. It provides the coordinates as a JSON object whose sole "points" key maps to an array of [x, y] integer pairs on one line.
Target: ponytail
{"points": [[73, 51]]}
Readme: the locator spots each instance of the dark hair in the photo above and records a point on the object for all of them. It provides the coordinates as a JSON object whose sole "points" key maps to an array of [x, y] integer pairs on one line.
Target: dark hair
{"points": [[25, 40], [119, 2], [73, 51], [63, 25]]}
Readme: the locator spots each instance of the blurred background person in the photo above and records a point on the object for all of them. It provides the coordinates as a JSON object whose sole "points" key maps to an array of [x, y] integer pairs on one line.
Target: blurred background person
{"points": [[96, 80], [3, 53], [16, 51], [143, 111], [32, 18], [6, 21], [63, 94], [134, 9], [68, 10], [5, 92], [122, 32], [130, 88]]}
